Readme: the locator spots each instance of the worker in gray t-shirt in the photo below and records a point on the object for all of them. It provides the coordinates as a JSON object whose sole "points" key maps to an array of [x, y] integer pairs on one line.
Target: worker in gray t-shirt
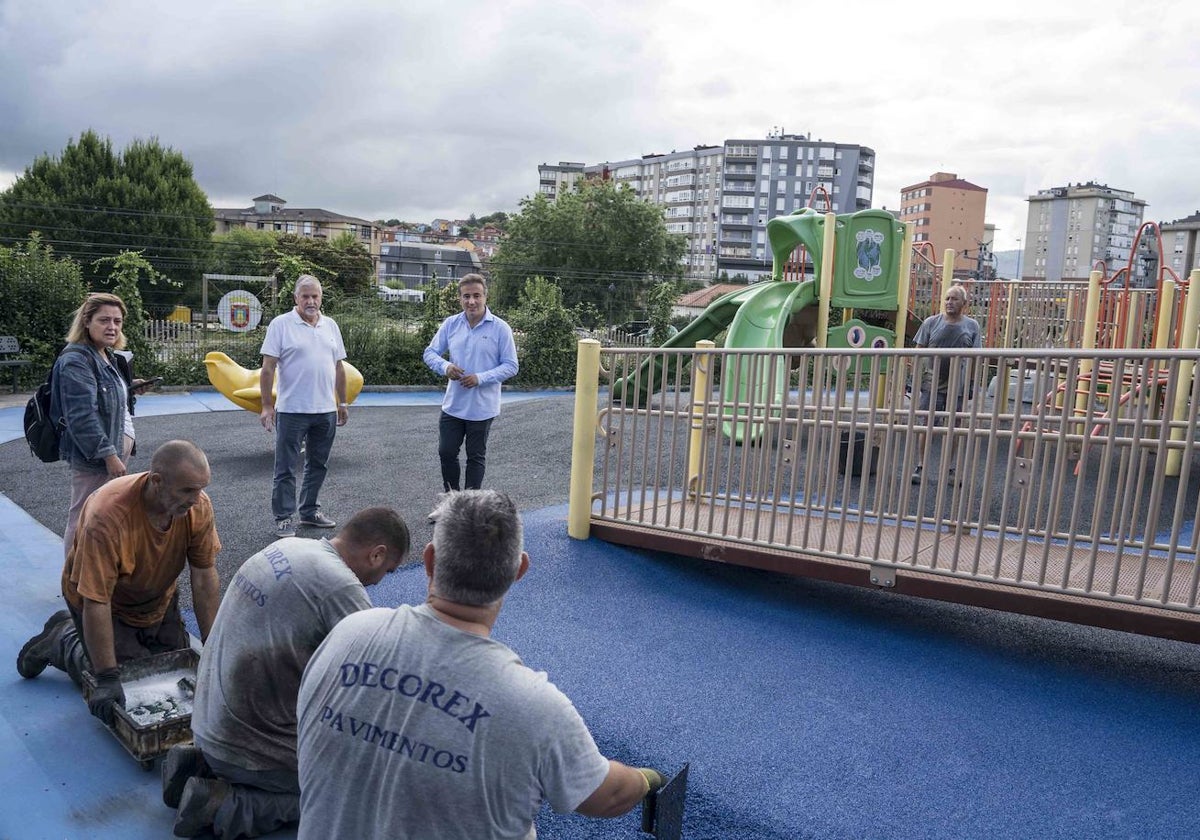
{"points": [[240, 777], [951, 328], [434, 728]]}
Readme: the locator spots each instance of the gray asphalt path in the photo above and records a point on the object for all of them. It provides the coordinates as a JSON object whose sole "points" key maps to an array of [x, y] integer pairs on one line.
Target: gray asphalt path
{"points": [[383, 456]]}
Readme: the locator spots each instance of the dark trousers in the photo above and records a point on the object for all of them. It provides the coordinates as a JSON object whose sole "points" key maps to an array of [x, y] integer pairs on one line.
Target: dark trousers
{"points": [[451, 433], [128, 642], [259, 801], [316, 433]]}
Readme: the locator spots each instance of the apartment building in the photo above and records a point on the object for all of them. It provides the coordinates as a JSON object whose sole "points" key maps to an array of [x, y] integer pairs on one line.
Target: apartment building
{"points": [[720, 197], [1181, 244], [948, 212], [407, 264], [270, 213], [687, 185], [770, 177], [555, 179], [1073, 228]]}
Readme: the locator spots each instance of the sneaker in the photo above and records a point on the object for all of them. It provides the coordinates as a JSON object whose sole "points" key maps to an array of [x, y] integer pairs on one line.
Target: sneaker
{"points": [[285, 528], [182, 762], [916, 477], [318, 520], [35, 654], [198, 806]]}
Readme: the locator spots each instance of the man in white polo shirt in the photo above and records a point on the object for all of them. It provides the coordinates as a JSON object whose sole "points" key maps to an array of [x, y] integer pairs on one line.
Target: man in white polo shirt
{"points": [[306, 349], [482, 355]]}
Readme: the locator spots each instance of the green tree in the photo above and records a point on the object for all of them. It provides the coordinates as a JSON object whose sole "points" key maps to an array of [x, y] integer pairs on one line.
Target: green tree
{"points": [[598, 243], [659, 301], [343, 265], [499, 219], [39, 294], [128, 273], [546, 335], [93, 202], [242, 251]]}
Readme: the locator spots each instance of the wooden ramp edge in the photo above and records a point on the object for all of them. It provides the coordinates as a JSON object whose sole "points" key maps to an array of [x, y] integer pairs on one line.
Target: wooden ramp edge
{"points": [[1130, 618]]}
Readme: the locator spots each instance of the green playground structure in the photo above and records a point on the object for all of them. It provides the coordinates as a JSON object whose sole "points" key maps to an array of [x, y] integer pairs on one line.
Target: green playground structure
{"points": [[860, 261]]}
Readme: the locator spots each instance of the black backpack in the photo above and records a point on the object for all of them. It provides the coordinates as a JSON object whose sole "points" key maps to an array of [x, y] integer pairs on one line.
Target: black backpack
{"points": [[41, 432]]}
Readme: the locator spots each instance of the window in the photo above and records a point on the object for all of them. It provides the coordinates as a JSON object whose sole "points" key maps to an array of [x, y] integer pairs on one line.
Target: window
{"points": [[308, 229]]}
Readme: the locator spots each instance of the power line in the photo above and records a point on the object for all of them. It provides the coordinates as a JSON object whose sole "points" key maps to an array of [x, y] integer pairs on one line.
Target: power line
{"points": [[118, 211]]}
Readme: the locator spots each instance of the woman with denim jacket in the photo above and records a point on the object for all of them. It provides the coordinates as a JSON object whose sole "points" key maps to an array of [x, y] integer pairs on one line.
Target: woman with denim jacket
{"points": [[92, 401]]}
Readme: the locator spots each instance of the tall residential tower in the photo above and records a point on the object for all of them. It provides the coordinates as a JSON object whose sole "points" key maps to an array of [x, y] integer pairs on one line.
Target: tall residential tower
{"points": [[1070, 229]]}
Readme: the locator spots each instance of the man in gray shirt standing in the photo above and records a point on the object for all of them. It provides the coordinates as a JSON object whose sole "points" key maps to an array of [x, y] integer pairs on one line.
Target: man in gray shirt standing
{"points": [[950, 328], [239, 780]]}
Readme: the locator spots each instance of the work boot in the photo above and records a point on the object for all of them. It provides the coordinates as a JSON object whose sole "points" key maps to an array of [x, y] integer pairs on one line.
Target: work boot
{"points": [[181, 763], [198, 806], [39, 651]]}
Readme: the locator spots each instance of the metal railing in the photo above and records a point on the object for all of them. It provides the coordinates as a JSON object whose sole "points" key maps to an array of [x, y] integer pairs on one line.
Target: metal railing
{"points": [[1068, 472]]}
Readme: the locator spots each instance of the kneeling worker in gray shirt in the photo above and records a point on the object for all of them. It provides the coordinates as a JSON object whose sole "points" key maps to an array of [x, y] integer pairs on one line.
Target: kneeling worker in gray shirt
{"points": [[239, 780], [413, 722]]}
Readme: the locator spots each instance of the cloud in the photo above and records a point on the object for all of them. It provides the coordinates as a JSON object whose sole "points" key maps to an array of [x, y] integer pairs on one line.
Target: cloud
{"points": [[383, 109]]}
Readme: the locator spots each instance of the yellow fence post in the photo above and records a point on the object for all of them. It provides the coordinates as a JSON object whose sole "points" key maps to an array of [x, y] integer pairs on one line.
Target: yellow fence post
{"points": [[1187, 341], [1162, 339], [1010, 325], [903, 290], [701, 371], [583, 445], [1091, 323], [826, 291]]}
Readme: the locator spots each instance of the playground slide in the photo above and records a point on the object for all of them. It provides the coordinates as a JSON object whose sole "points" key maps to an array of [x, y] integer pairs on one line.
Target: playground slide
{"points": [[760, 323], [716, 317]]}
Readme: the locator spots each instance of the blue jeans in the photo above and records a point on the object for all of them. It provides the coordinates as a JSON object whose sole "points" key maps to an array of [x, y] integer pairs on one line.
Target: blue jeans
{"points": [[452, 431], [316, 432]]}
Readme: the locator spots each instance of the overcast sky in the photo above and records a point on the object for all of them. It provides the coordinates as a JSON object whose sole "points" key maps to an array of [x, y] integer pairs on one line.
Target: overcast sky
{"points": [[424, 110]]}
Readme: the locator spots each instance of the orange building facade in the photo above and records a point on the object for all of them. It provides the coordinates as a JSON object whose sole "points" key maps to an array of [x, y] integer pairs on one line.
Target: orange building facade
{"points": [[947, 212]]}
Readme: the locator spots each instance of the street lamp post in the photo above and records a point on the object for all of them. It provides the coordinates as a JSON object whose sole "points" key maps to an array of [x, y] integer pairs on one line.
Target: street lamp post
{"points": [[1020, 255]]}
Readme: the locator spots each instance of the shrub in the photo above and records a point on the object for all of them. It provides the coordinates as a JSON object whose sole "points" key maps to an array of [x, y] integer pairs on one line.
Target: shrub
{"points": [[41, 294], [547, 341]]}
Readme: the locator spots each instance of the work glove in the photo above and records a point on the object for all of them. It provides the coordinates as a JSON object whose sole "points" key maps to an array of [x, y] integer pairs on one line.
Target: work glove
{"points": [[654, 779], [107, 695]]}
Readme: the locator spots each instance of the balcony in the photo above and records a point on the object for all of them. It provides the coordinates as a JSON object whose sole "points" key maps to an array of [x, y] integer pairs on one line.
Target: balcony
{"points": [[732, 152], [681, 181], [681, 165]]}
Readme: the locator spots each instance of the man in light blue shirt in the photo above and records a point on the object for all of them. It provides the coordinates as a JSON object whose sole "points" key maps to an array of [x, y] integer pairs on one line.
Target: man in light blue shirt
{"points": [[482, 355]]}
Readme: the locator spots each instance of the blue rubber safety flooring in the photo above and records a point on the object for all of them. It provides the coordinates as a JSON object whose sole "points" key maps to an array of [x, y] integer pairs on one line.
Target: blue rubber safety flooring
{"points": [[805, 710]]}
